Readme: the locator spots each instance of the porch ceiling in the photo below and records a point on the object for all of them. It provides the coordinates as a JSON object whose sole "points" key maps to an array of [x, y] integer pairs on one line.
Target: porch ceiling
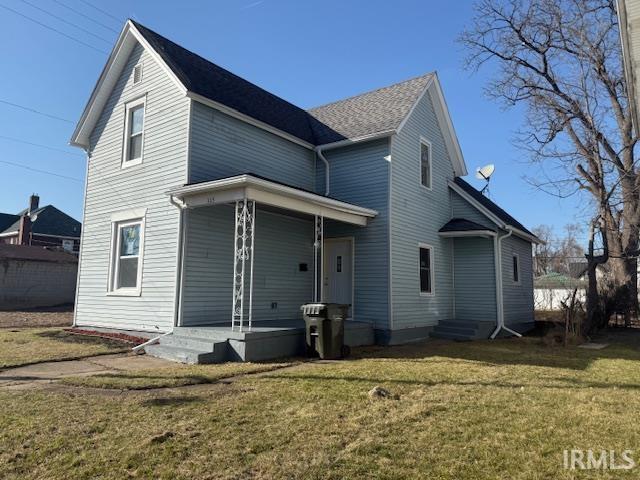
{"points": [[268, 192]]}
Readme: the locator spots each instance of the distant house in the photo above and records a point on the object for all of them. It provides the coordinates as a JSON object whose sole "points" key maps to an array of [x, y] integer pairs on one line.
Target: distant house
{"points": [[41, 227]]}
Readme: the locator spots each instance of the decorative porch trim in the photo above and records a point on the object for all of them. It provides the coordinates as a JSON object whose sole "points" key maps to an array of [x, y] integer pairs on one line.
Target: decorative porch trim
{"points": [[243, 251]]}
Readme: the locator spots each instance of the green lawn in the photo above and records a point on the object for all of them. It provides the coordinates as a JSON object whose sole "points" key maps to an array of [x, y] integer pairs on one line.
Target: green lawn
{"points": [[504, 409], [32, 345]]}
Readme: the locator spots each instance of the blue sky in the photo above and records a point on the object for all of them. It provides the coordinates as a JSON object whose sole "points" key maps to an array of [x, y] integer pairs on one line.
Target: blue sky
{"points": [[308, 52]]}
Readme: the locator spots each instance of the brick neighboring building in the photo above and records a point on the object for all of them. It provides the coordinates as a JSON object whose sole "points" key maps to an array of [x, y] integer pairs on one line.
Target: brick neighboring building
{"points": [[40, 226]]}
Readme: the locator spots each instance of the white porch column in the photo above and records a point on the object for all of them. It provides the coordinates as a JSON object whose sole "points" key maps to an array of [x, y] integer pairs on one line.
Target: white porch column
{"points": [[243, 252], [318, 251]]}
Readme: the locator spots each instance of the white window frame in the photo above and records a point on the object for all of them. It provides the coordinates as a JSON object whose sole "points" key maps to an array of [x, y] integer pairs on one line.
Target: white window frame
{"points": [[516, 257], [431, 270], [133, 73], [142, 101], [118, 221], [424, 141]]}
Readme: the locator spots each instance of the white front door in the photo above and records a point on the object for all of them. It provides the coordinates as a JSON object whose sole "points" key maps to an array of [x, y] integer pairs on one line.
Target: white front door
{"points": [[338, 271]]}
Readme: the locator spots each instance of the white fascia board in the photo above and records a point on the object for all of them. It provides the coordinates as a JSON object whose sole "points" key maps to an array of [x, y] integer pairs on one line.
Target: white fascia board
{"points": [[469, 233], [492, 217], [264, 191], [478, 206], [444, 120], [351, 141], [247, 119], [107, 80]]}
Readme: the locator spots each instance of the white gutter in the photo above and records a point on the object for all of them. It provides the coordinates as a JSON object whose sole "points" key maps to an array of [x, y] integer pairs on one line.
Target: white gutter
{"points": [[497, 253]]}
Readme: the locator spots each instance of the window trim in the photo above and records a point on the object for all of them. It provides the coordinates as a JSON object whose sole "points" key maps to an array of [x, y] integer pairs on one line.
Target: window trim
{"points": [[516, 257], [424, 141], [117, 222], [431, 270], [130, 105]]}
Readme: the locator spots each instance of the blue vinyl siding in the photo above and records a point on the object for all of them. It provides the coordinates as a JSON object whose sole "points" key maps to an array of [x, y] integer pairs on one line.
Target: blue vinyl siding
{"points": [[416, 215], [282, 243], [518, 298], [360, 175], [222, 146], [474, 279], [111, 189], [463, 209]]}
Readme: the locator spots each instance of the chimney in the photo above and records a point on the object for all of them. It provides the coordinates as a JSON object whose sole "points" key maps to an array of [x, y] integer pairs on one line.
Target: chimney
{"points": [[24, 232], [34, 202]]}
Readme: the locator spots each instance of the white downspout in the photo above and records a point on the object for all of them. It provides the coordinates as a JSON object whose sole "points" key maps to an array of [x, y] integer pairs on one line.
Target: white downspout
{"points": [[179, 260], [497, 254], [318, 150]]}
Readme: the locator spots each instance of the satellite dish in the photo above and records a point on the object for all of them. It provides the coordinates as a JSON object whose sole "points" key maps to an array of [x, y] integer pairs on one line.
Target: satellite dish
{"points": [[484, 173]]}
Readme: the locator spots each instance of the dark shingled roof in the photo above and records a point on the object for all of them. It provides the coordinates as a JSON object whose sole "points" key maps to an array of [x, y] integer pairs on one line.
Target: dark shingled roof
{"points": [[6, 220], [49, 220], [489, 205], [463, 225], [205, 78], [367, 114], [374, 112], [41, 254]]}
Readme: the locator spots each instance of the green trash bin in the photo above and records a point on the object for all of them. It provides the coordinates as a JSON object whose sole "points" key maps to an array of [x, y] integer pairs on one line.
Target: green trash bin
{"points": [[325, 329]]}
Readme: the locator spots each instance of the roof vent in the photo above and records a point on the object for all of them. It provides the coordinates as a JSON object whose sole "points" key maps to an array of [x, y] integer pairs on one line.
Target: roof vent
{"points": [[137, 74]]}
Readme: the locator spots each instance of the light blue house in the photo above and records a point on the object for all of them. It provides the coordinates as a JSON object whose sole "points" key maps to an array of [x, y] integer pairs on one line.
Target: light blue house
{"points": [[211, 204]]}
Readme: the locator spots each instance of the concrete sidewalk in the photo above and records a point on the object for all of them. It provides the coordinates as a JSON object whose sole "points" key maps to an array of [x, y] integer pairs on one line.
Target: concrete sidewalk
{"points": [[32, 375]]}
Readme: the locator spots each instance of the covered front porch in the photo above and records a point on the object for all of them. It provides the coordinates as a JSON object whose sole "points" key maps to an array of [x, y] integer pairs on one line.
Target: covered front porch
{"points": [[253, 251]]}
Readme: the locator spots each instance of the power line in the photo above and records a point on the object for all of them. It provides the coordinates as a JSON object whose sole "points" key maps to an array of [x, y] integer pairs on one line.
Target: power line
{"points": [[52, 29], [102, 11], [32, 110], [4, 137], [41, 171], [91, 19], [66, 21]]}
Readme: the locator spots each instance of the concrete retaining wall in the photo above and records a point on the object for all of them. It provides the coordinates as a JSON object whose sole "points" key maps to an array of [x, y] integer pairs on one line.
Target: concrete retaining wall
{"points": [[34, 283]]}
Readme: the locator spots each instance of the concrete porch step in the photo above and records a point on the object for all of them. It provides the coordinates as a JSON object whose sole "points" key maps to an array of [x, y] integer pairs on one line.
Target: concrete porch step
{"points": [[185, 355], [194, 343], [456, 330]]}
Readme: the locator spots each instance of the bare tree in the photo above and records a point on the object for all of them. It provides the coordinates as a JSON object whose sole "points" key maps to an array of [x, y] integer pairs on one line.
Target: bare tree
{"points": [[559, 254], [562, 60]]}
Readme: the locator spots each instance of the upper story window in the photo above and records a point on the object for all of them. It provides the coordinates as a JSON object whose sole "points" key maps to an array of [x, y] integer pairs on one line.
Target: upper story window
{"points": [[516, 268], [426, 269], [425, 163], [134, 132], [137, 74]]}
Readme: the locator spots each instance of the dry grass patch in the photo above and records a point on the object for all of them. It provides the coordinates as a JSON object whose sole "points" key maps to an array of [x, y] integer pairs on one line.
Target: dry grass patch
{"points": [[503, 409], [173, 376], [34, 345]]}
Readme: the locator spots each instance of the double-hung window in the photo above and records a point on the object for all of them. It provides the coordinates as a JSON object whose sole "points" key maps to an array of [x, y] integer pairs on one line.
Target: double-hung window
{"points": [[126, 256], [426, 269], [425, 163], [134, 132]]}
